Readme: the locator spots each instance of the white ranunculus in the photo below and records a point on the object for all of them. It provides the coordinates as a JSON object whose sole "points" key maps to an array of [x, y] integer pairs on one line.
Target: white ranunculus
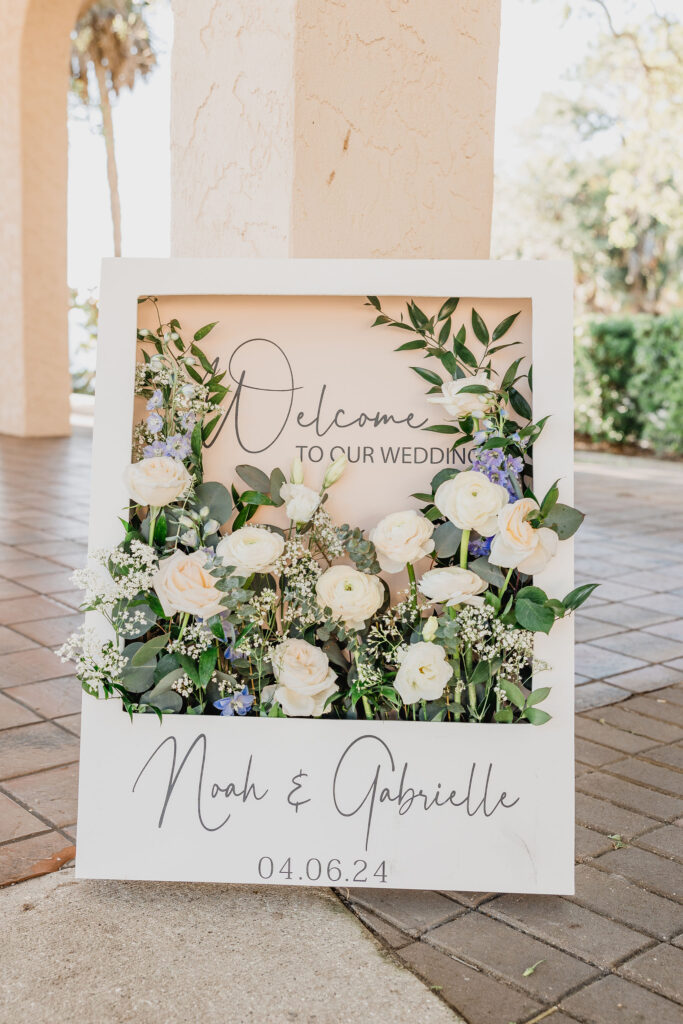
{"points": [[352, 596], [251, 549], [300, 501], [304, 678], [423, 673], [517, 544], [158, 481], [450, 585], [472, 502], [458, 404], [182, 584], [402, 537]]}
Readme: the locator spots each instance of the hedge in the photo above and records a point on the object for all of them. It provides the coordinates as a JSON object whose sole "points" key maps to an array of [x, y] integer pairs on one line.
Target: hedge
{"points": [[629, 381]]}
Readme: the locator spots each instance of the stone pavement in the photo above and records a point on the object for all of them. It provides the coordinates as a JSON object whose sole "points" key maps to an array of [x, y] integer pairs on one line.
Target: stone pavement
{"points": [[614, 952]]}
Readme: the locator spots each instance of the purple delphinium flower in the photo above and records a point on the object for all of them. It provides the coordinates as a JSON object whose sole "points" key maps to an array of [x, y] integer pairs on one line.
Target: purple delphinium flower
{"points": [[187, 420], [498, 467], [155, 449], [236, 703], [178, 446], [156, 401], [154, 422], [480, 546]]}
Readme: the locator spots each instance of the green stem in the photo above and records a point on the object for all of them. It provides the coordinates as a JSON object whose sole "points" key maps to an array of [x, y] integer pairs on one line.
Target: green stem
{"points": [[472, 697], [464, 544], [183, 624], [505, 584], [413, 584], [153, 514], [367, 708]]}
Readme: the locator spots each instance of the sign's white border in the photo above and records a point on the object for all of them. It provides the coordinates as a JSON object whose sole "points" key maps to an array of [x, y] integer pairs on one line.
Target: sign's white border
{"points": [[543, 756]]}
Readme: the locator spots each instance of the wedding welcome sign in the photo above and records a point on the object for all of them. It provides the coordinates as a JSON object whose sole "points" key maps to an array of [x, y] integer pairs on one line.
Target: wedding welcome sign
{"points": [[335, 637]]}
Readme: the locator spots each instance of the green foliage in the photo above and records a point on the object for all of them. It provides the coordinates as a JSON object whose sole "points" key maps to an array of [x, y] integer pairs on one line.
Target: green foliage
{"points": [[629, 382]]}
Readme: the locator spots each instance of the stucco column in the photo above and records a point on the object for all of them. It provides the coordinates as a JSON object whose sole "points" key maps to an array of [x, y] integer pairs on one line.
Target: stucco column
{"points": [[34, 49], [333, 127]]}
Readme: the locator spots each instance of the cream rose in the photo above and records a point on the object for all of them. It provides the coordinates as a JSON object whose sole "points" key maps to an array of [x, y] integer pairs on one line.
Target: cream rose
{"points": [[352, 596], [182, 584], [158, 481], [471, 502], [423, 673], [402, 537], [304, 678], [458, 404], [300, 501], [251, 549], [451, 585], [518, 544]]}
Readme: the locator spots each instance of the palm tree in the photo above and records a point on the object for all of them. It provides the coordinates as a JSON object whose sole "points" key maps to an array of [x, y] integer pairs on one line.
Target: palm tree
{"points": [[113, 41]]}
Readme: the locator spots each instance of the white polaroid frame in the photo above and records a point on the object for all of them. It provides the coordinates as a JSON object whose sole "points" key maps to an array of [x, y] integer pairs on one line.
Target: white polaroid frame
{"points": [[484, 807]]}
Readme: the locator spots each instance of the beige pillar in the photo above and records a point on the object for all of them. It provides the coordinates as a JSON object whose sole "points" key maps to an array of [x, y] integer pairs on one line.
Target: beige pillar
{"points": [[34, 49], [333, 127]]}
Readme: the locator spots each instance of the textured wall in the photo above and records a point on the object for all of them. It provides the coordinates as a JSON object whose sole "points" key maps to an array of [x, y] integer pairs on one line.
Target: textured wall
{"points": [[34, 48], [334, 127]]}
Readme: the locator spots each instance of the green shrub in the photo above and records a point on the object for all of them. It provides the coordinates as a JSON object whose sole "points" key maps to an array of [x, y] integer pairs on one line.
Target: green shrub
{"points": [[629, 381]]}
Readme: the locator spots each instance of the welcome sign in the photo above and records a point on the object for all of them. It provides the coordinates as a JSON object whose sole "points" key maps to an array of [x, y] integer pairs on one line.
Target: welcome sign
{"points": [[317, 801]]}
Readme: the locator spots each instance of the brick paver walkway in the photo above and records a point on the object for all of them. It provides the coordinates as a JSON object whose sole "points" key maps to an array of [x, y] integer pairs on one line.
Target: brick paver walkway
{"points": [[614, 952]]}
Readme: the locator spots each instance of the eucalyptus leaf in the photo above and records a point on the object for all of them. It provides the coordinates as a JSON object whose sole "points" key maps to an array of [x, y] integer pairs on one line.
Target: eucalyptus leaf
{"points": [[255, 478], [446, 539], [147, 653], [216, 497], [164, 684], [148, 618], [138, 680], [564, 520], [170, 701], [488, 572]]}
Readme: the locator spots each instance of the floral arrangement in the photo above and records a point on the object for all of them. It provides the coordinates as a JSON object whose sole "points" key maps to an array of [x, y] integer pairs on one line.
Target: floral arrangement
{"points": [[253, 619]]}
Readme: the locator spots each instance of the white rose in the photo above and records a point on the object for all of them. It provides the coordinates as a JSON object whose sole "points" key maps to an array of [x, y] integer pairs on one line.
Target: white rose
{"points": [[423, 674], [402, 537], [304, 678], [451, 585], [459, 405], [353, 596], [472, 502], [300, 501], [183, 584], [251, 549], [157, 481], [518, 544]]}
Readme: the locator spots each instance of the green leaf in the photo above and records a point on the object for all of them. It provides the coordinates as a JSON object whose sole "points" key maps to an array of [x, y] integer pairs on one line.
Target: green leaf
{"points": [[203, 331], [447, 309], [257, 498], [217, 498], [441, 477], [170, 701], [138, 680], [504, 715], [374, 301], [481, 331], [417, 317], [443, 428], [428, 375], [147, 620], [488, 572], [481, 672], [445, 331], [255, 478], [533, 616], [504, 326], [564, 520], [448, 361], [207, 663], [512, 692], [536, 716], [576, 597], [164, 684], [534, 594], [537, 695], [277, 479], [550, 500], [196, 440], [408, 345], [446, 539], [204, 362], [520, 404], [147, 653]]}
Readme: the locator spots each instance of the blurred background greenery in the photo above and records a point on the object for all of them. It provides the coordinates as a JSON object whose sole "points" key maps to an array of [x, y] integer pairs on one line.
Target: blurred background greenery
{"points": [[589, 164]]}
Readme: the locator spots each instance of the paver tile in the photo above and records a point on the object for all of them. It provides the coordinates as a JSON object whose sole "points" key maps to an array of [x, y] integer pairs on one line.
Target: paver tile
{"points": [[31, 666], [632, 616], [671, 754], [643, 680], [11, 641], [622, 718], [16, 822], [23, 568], [70, 722], [594, 754], [623, 901], [569, 926], [13, 714], [597, 695], [589, 844], [17, 859], [673, 630], [615, 1000], [33, 747], [386, 932], [630, 795], [51, 632], [25, 608], [668, 841], [597, 663], [609, 819], [496, 947], [606, 735], [661, 875], [660, 968], [641, 644], [655, 776], [411, 910], [53, 793], [587, 629], [480, 999], [51, 698], [656, 705], [8, 589]]}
